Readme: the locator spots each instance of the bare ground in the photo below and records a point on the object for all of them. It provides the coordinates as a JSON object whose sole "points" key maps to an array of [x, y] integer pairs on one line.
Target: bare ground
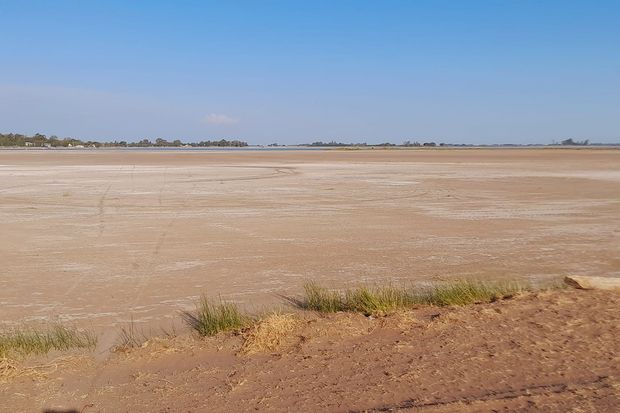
{"points": [[97, 238], [547, 352]]}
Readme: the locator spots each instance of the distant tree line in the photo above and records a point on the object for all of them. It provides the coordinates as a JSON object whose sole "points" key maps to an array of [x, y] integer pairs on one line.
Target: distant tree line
{"points": [[17, 139], [159, 142], [333, 143], [572, 142], [416, 143], [408, 143], [386, 144], [39, 140]]}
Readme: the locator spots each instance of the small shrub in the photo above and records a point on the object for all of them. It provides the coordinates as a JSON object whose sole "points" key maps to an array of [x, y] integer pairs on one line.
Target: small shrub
{"points": [[209, 318]]}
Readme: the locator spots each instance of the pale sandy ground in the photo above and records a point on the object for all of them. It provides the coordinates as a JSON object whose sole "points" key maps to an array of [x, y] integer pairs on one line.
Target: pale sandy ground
{"points": [[100, 237]]}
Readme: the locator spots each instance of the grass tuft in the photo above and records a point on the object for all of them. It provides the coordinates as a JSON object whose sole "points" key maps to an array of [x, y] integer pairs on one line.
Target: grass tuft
{"points": [[32, 341], [319, 298], [383, 300], [466, 292], [129, 338], [378, 301], [210, 318]]}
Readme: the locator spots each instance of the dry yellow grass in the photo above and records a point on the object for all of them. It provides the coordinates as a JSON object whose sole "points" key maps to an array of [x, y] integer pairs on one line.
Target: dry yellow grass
{"points": [[11, 369], [269, 333]]}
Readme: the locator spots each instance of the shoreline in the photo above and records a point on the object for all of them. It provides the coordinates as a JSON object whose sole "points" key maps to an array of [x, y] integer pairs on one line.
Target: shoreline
{"points": [[321, 148]]}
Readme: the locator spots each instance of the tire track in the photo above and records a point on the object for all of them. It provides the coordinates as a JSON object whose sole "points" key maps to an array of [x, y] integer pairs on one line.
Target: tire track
{"points": [[530, 391], [101, 210]]}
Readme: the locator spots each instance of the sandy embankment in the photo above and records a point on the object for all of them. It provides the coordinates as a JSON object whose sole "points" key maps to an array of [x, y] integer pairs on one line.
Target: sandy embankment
{"points": [[554, 352]]}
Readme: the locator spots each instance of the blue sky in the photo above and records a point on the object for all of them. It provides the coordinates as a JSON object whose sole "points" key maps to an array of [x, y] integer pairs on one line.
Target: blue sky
{"points": [[298, 71]]}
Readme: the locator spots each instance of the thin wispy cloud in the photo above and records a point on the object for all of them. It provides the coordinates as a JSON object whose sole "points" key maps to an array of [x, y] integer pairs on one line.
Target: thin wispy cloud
{"points": [[219, 119]]}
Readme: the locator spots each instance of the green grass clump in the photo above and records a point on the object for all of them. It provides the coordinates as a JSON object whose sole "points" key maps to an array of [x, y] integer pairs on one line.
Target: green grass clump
{"points": [[32, 341], [382, 300], [210, 318], [319, 298], [466, 292], [378, 301]]}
